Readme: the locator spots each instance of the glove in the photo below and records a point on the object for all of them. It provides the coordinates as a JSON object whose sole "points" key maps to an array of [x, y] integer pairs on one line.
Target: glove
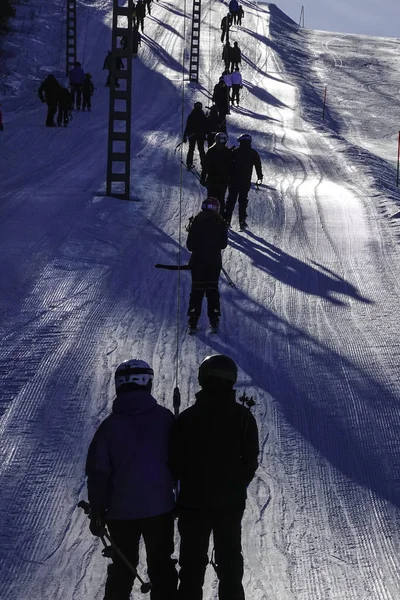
{"points": [[97, 526]]}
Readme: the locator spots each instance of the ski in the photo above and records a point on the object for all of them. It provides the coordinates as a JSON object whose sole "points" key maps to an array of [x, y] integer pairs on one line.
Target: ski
{"points": [[192, 170]]}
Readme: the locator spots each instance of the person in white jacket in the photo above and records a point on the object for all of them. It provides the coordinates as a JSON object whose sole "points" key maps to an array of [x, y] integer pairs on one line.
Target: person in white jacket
{"points": [[237, 85]]}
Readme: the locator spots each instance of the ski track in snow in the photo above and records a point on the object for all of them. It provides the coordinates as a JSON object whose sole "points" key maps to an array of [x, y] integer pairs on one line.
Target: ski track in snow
{"points": [[311, 321]]}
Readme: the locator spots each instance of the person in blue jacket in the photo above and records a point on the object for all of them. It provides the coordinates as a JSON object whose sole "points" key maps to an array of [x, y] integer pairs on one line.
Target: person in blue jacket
{"points": [[130, 486], [76, 79]]}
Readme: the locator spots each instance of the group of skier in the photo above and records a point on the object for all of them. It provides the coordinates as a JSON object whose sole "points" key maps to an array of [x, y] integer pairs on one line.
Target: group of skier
{"points": [[58, 97], [144, 468]]}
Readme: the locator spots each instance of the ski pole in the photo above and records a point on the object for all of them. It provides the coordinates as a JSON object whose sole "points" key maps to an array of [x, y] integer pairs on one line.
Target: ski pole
{"points": [[229, 280], [145, 586]]}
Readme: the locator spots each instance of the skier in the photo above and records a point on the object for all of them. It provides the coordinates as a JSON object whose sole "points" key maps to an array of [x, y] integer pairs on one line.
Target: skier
{"points": [[235, 56], [233, 9], [64, 106], [237, 85], [206, 238], [76, 79], [48, 94], [217, 169], [140, 14], [130, 487], [87, 92], [136, 41], [226, 23], [240, 15], [226, 54], [244, 159], [214, 123], [214, 455], [220, 98], [195, 132], [228, 82], [108, 64]]}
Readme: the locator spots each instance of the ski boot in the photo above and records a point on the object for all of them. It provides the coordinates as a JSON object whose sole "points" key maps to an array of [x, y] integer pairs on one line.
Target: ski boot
{"points": [[243, 225]]}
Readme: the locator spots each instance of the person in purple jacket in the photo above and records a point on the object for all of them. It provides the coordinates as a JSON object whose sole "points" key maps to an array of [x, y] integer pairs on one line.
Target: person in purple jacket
{"points": [[76, 79], [130, 486]]}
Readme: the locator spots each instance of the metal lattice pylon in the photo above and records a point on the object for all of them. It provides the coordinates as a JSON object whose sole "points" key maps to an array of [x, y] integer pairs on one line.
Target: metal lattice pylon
{"points": [[120, 107], [195, 42], [71, 36]]}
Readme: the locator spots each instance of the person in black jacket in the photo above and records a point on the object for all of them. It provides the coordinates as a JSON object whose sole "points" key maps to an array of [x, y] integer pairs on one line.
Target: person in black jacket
{"points": [[87, 92], [65, 104], [140, 14], [214, 124], [244, 159], [49, 93], [195, 132], [108, 64], [214, 454], [221, 99], [217, 169], [207, 237], [235, 56]]}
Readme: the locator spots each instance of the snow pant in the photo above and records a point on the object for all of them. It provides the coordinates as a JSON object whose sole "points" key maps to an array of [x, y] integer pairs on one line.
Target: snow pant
{"points": [[51, 112], [193, 140], [158, 535], [86, 101], [237, 192], [205, 281], [140, 23], [218, 191], [235, 93], [195, 527], [223, 34], [234, 64], [62, 116], [76, 93]]}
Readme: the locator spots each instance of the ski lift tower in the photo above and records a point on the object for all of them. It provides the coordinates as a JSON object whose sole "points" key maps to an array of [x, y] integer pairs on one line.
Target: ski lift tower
{"points": [[120, 106], [195, 42], [71, 36]]}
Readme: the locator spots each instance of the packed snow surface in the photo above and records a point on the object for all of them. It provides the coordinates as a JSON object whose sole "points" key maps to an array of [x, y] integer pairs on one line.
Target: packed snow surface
{"points": [[312, 321]]}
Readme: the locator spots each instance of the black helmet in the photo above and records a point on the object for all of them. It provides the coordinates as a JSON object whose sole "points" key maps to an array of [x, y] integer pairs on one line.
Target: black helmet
{"points": [[218, 370], [198, 105], [245, 138]]}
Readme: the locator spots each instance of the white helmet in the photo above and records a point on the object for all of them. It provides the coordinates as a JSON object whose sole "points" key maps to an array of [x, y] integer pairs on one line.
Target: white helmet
{"points": [[136, 372]]}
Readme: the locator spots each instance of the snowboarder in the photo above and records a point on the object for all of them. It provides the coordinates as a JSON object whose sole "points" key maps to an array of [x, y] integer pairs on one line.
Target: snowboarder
{"points": [[76, 79], [235, 56], [195, 132], [217, 169], [130, 487], [87, 92], [108, 64], [48, 94], [226, 23], [206, 238], [237, 85], [140, 14], [214, 455], [64, 106], [214, 123], [244, 159], [220, 98]]}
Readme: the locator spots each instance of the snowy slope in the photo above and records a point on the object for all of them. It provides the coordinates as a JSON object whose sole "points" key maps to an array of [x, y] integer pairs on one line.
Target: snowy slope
{"points": [[312, 322]]}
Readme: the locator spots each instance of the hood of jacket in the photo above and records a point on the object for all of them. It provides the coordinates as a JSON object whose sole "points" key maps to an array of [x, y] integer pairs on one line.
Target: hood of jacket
{"points": [[138, 402]]}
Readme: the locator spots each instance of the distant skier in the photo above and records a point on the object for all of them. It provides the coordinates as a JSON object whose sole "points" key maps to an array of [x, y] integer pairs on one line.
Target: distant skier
{"points": [[140, 14], [64, 106], [217, 169], [207, 237], [87, 92], [244, 159], [48, 93], [226, 23], [240, 15], [214, 455], [76, 79], [130, 487], [226, 54], [235, 56], [108, 64], [136, 41], [233, 9], [237, 85], [220, 98], [214, 123], [228, 82], [195, 132]]}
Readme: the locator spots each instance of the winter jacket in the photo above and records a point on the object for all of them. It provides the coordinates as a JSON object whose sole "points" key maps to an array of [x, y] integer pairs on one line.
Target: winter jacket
{"points": [[140, 10], [220, 94], [64, 99], [244, 159], [207, 237], [236, 78], [126, 467], [214, 123], [226, 23], [226, 52], [217, 165], [228, 80], [108, 62], [49, 90], [213, 452], [235, 54], [77, 76], [233, 6], [195, 124]]}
